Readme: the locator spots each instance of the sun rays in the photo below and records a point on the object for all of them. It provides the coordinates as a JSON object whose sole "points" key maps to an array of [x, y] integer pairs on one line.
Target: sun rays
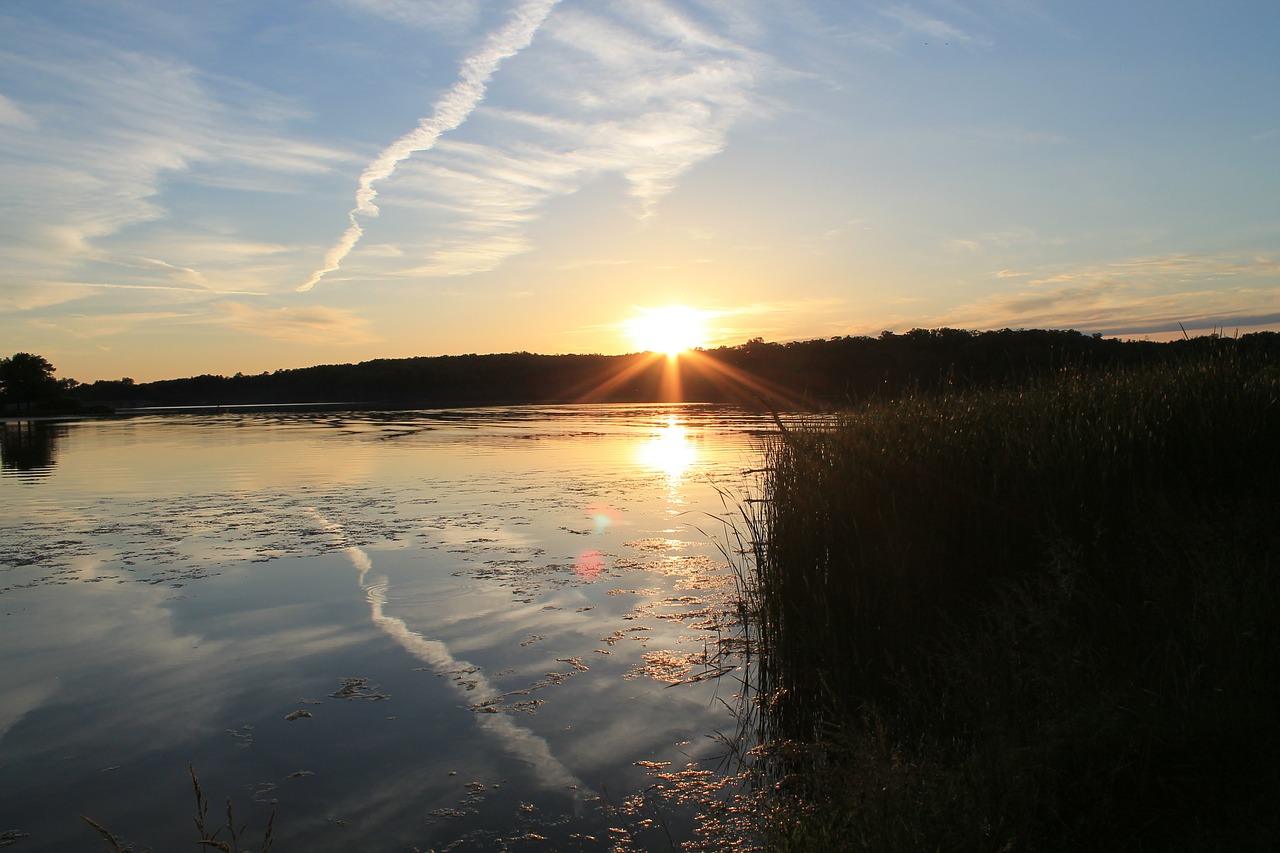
{"points": [[695, 376]]}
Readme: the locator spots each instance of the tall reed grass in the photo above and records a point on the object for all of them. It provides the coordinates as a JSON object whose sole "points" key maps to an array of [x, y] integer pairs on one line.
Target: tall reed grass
{"points": [[1036, 617]]}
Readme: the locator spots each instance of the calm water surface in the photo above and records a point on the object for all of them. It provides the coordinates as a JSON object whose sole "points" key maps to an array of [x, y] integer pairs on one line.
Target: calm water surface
{"points": [[467, 629]]}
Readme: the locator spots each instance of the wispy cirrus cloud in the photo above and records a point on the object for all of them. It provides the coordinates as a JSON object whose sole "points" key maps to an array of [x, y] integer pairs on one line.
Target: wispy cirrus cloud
{"points": [[660, 94], [450, 16], [301, 324], [173, 272], [12, 115], [889, 27], [126, 299], [913, 21], [1134, 296], [641, 92], [1165, 269], [106, 324], [106, 310], [1002, 238], [30, 295], [449, 113], [86, 155]]}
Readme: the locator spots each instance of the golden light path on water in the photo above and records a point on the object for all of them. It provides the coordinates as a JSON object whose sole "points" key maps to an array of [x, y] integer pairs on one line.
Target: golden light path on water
{"points": [[670, 452], [519, 741]]}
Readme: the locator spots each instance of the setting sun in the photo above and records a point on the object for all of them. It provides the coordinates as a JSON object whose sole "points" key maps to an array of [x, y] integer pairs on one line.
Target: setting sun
{"points": [[671, 329]]}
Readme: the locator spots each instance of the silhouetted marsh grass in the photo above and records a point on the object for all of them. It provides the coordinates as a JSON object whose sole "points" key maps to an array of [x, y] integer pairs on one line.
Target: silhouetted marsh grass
{"points": [[1038, 617], [231, 842]]}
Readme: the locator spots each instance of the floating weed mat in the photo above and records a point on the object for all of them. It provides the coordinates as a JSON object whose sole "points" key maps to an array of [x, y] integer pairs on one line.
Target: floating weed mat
{"points": [[358, 688], [1033, 618]]}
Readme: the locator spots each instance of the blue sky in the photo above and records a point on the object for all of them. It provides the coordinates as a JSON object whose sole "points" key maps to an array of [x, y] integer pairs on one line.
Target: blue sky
{"points": [[213, 187]]}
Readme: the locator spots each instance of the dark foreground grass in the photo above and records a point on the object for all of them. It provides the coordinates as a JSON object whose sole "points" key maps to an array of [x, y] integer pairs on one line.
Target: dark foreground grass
{"points": [[234, 841], [1038, 618]]}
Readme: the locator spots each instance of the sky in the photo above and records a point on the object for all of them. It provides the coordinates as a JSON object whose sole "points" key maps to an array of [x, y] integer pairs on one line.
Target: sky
{"points": [[223, 186]]}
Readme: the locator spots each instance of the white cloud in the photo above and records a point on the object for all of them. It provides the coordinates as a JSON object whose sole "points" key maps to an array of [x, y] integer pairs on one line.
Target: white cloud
{"points": [[12, 115], [32, 295], [169, 271], [639, 92], [1003, 238], [889, 28], [113, 128], [449, 113], [914, 22], [662, 97], [1163, 270], [451, 16], [305, 324], [103, 324], [473, 256], [1151, 293], [25, 296]]}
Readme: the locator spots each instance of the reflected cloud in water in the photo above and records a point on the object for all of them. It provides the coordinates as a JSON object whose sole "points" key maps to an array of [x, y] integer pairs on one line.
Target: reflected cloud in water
{"points": [[487, 546], [518, 740], [158, 682]]}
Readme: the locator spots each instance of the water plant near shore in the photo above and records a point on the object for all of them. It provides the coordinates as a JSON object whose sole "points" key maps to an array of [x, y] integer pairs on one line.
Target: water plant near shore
{"points": [[209, 840], [1037, 617]]}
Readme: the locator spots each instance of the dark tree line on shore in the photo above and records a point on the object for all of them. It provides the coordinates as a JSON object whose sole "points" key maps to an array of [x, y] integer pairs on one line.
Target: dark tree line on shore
{"points": [[816, 373], [27, 383]]}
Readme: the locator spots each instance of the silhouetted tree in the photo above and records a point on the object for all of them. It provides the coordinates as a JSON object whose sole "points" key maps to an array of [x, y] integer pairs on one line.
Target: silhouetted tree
{"points": [[27, 379]]}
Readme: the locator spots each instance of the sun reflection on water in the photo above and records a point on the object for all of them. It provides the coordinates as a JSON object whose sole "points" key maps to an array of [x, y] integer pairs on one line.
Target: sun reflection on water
{"points": [[671, 452]]}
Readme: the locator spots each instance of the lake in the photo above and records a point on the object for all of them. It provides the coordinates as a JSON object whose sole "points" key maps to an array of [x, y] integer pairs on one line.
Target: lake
{"points": [[469, 629]]}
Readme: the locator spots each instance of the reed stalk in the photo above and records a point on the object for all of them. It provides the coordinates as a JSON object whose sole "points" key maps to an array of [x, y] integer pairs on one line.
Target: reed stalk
{"points": [[1021, 615]]}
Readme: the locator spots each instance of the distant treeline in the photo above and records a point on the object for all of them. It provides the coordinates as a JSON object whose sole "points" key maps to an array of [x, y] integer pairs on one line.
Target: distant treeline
{"points": [[817, 373]]}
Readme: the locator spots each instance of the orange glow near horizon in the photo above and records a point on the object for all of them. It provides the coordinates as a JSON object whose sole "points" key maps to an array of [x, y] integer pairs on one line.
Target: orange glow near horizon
{"points": [[672, 329], [731, 384]]}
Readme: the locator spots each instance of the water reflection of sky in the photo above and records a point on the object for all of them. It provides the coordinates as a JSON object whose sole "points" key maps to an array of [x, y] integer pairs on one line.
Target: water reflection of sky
{"points": [[179, 587]]}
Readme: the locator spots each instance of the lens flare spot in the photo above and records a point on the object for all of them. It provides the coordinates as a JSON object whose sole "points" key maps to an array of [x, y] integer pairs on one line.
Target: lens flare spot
{"points": [[604, 517]]}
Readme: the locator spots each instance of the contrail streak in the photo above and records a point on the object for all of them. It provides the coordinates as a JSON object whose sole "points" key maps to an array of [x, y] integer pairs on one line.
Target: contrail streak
{"points": [[449, 113]]}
